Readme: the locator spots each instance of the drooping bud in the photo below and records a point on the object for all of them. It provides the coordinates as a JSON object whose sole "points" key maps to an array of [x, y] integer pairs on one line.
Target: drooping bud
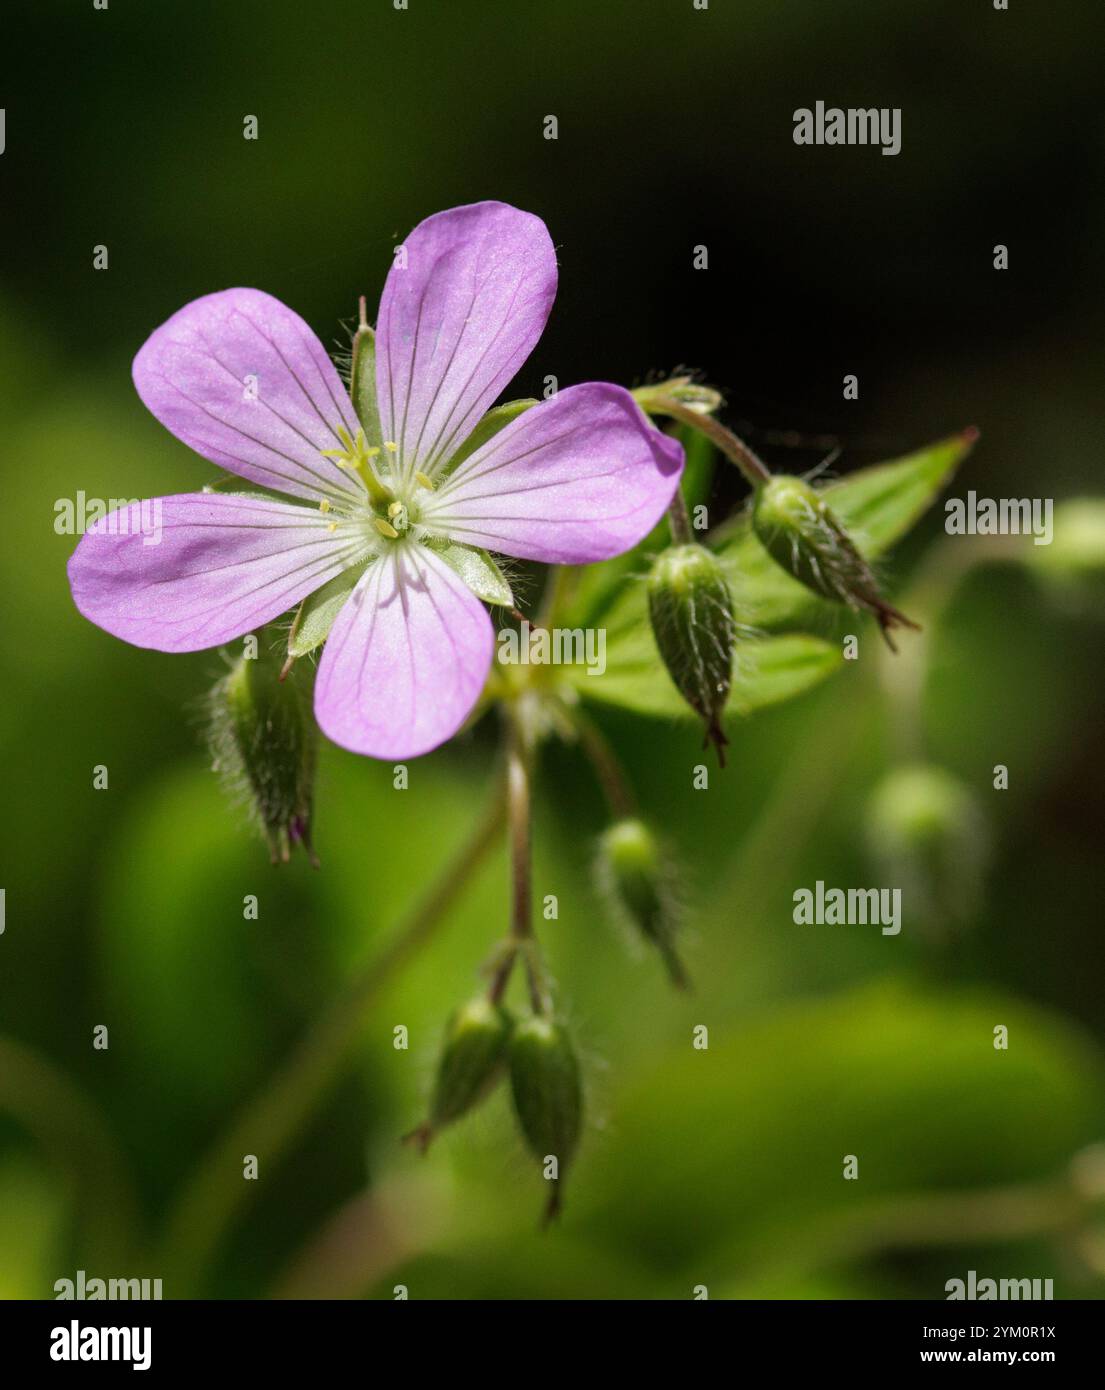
{"points": [[691, 611], [799, 530], [548, 1097], [473, 1059], [929, 838], [635, 880], [264, 742]]}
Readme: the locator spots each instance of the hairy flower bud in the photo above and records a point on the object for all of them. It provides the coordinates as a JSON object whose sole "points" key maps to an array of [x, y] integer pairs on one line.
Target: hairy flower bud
{"points": [[473, 1058], [264, 742], [799, 530], [930, 838], [635, 880], [548, 1095], [691, 611]]}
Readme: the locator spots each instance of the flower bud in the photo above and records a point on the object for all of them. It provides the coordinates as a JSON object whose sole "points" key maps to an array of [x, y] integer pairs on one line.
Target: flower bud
{"points": [[636, 882], [799, 530], [929, 837], [473, 1058], [264, 742], [548, 1095], [692, 620]]}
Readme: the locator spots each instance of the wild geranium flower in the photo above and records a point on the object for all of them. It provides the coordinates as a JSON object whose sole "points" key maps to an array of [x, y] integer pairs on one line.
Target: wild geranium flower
{"points": [[244, 382]]}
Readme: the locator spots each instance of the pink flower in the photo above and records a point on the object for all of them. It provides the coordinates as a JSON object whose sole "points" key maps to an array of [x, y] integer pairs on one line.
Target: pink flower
{"points": [[241, 379]]}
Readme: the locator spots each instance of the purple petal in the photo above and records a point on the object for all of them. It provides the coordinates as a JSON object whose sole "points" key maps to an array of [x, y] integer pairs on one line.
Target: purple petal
{"points": [[578, 478], [456, 323], [406, 660], [241, 379], [182, 573]]}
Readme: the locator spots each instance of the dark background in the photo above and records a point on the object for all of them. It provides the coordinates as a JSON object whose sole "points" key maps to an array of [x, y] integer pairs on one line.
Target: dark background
{"points": [[124, 128]]}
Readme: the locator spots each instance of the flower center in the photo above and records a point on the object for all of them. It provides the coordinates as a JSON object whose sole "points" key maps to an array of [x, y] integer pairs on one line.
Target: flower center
{"points": [[392, 509]]}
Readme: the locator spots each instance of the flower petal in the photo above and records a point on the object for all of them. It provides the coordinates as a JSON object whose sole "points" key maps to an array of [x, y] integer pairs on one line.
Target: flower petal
{"points": [[187, 572], [460, 313], [581, 477], [406, 660], [241, 379]]}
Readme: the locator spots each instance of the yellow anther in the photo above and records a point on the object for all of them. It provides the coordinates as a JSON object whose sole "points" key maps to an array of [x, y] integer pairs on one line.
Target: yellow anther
{"points": [[423, 481], [372, 451], [385, 528], [333, 526], [390, 445], [324, 505], [394, 510]]}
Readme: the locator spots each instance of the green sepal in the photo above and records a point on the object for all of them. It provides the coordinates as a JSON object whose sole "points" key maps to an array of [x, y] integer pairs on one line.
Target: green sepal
{"points": [[480, 573], [316, 614], [362, 384], [489, 426]]}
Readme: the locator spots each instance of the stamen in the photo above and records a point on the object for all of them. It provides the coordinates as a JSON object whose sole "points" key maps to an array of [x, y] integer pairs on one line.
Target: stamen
{"points": [[423, 481], [385, 528], [390, 445], [333, 526], [394, 510], [324, 505]]}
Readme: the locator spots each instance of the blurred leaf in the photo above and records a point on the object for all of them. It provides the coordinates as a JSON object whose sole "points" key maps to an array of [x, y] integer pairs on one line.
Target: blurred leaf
{"points": [[876, 505], [717, 1148]]}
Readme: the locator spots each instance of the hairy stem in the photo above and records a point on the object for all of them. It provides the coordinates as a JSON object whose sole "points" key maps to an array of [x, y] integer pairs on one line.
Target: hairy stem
{"points": [[678, 519], [734, 449], [268, 1125], [522, 942]]}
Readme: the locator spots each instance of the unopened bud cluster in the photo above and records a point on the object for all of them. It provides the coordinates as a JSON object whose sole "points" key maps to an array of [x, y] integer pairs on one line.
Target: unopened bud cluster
{"points": [[483, 1043]]}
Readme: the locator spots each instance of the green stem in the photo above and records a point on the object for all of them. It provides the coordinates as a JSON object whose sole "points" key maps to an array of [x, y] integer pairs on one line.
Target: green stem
{"points": [[216, 1190], [609, 771], [522, 942], [736, 450], [679, 520]]}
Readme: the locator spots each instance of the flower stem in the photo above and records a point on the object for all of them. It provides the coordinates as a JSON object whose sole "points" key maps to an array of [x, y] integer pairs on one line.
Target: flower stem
{"points": [[734, 449], [609, 771], [268, 1125], [678, 519], [522, 942]]}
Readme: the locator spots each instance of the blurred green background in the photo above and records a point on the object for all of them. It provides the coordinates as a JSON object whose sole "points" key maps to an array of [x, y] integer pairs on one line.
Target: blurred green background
{"points": [[124, 907]]}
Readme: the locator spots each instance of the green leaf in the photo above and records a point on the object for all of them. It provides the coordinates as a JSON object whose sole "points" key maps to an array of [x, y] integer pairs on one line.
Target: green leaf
{"points": [[480, 572], [489, 426], [318, 611], [877, 506], [766, 671]]}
